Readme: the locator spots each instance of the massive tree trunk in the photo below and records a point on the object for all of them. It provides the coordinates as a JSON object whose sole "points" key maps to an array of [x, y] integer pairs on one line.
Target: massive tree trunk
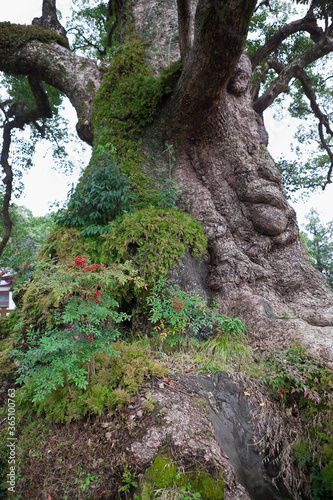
{"points": [[225, 176], [258, 268]]}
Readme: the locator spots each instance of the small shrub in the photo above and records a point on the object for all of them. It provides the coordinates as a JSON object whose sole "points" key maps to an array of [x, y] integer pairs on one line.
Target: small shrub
{"points": [[180, 315], [292, 372], [103, 193], [84, 317]]}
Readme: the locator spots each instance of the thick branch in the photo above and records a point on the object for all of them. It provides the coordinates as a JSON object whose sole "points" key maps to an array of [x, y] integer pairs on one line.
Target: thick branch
{"points": [[49, 19], [219, 38], [322, 118], [307, 23], [280, 84], [21, 116], [112, 11], [32, 50], [8, 182]]}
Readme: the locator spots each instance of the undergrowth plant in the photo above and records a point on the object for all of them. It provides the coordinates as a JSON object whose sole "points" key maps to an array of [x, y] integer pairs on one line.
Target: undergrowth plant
{"points": [[103, 194], [179, 316], [85, 315], [292, 373], [116, 379]]}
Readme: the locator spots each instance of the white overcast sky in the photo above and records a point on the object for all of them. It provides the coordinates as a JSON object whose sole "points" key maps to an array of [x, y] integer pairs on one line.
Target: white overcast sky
{"points": [[44, 185]]}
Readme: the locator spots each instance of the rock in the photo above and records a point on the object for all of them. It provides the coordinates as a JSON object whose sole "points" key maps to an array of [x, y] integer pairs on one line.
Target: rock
{"points": [[248, 427], [188, 432]]}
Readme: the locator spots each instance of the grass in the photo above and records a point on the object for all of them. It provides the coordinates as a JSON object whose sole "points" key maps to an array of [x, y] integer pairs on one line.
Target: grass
{"points": [[223, 352]]}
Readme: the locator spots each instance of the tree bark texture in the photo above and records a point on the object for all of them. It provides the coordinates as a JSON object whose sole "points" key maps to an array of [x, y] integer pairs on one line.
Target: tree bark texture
{"points": [[226, 178]]}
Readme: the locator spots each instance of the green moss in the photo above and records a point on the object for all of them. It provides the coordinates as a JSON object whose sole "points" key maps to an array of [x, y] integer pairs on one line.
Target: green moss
{"points": [[15, 36], [126, 102], [117, 379], [63, 244], [154, 240], [314, 451], [165, 474]]}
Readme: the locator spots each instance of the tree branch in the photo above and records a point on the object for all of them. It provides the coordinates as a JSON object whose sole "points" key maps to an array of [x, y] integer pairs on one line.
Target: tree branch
{"points": [[330, 154], [307, 23], [49, 19], [112, 11], [219, 38], [280, 84], [32, 50], [265, 3], [322, 118]]}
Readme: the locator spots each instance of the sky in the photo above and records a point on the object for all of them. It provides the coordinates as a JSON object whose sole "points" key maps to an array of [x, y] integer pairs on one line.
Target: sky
{"points": [[44, 185]]}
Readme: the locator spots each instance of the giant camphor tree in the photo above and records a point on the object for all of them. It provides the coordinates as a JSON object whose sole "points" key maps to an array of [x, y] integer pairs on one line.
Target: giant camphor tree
{"points": [[210, 111]]}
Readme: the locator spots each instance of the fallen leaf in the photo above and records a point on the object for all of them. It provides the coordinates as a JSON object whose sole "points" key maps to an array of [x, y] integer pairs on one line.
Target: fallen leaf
{"points": [[165, 380], [170, 383]]}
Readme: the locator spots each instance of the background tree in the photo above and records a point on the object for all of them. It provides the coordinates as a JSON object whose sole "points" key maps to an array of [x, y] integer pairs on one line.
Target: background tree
{"points": [[318, 240], [206, 108], [307, 95], [29, 232]]}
